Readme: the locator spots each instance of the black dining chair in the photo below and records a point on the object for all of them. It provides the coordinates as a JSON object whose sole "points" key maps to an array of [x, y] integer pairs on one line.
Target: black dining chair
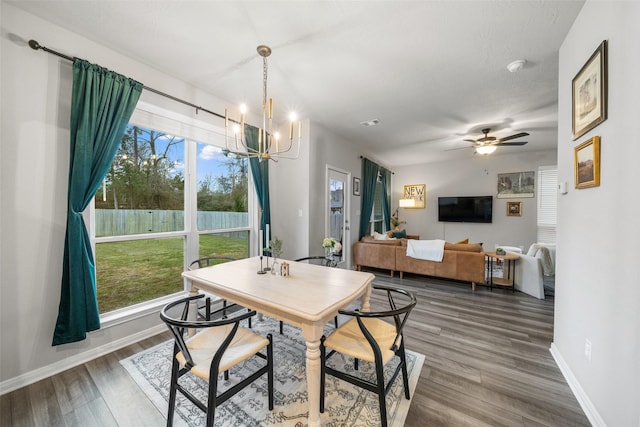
{"points": [[374, 337], [214, 302], [218, 345], [317, 260]]}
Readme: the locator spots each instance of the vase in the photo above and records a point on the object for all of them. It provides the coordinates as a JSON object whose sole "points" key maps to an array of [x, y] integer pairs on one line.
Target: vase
{"points": [[275, 267]]}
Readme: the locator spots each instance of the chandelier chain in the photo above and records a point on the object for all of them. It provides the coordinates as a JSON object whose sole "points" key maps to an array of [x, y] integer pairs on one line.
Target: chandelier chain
{"points": [[264, 82]]}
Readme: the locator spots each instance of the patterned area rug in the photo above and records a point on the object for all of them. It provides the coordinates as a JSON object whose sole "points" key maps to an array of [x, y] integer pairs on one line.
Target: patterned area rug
{"points": [[345, 405]]}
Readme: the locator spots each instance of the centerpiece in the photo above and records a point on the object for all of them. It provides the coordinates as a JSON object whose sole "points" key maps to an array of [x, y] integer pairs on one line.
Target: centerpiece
{"points": [[332, 248]]}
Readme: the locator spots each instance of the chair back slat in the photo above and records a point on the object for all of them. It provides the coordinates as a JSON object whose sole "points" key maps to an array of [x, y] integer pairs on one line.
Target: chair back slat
{"points": [[399, 314], [209, 261], [179, 325]]}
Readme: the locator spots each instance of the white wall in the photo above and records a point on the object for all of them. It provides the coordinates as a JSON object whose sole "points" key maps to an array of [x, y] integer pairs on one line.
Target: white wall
{"points": [[598, 285], [475, 176], [290, 200], [302, 184], [36, 93]]}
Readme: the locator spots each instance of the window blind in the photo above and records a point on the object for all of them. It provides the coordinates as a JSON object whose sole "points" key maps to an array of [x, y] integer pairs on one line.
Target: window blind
{"points": [[547, 203]]}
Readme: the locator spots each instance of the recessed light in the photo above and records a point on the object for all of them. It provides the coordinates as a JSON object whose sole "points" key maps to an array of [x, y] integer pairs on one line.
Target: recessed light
{"points": [[373, 122]]}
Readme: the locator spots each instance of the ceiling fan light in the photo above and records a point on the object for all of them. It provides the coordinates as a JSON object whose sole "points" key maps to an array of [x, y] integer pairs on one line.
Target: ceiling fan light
{"points": [[485, 149]]}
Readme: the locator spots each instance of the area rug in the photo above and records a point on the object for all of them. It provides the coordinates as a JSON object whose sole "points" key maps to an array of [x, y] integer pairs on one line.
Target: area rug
{"points": [[345, 405]]}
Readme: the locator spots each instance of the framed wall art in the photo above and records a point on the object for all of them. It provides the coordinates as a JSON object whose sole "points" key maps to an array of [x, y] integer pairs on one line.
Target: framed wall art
{"points": [[514, 208], [589, 93], [356, 186], [587, 163], [417, 192], [516, 184]]}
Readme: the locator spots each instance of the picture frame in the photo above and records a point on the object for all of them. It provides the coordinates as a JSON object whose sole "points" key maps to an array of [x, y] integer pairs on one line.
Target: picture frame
{"points": [[514, 208], [516, 184], [417, 192], [589, 93], [587, 163], [356, 186]]}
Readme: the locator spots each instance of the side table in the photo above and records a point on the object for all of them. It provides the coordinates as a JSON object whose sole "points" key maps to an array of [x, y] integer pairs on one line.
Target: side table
{"points": [[509, 267]]}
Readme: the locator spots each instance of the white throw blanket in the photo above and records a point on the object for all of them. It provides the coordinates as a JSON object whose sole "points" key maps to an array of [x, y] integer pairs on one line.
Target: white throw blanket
{"points": [[430, 250]]}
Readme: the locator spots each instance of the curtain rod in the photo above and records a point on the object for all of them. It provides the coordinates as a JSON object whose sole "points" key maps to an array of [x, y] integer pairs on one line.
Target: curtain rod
{"points": [[37, 46]]}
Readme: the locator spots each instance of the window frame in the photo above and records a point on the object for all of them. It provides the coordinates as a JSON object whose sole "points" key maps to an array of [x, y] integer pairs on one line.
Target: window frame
{"points": [[199, 132]]}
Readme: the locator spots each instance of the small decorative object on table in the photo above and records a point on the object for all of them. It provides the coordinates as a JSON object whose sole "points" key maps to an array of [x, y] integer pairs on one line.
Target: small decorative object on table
{"points": [[284, 269], [275, 246], [500, 251]]}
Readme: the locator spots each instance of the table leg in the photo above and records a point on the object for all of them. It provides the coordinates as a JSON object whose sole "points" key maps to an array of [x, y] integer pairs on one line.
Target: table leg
{"points": [[312, 335], [365, 299]]}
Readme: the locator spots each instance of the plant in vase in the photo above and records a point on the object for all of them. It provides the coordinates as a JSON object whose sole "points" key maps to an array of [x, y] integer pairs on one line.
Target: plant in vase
{"points": [[275, 248], [332, 247], [395, 221]]}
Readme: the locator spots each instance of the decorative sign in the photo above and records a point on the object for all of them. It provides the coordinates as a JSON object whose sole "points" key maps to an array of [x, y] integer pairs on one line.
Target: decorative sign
{"points": [[417, 192]]}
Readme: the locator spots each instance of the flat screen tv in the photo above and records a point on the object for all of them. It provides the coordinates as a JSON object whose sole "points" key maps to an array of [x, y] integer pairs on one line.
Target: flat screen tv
{"points": [[465, 209]]}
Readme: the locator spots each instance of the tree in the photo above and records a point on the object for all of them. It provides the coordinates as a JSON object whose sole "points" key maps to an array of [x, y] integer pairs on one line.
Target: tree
{"points": [[143, 174]]}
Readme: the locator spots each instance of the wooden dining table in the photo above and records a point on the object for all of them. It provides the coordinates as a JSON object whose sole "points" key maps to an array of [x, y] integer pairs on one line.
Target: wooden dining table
{"points": [[308, 298]]}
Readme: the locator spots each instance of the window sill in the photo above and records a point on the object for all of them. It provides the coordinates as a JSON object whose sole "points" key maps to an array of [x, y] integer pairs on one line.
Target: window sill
{"points": [[127, 314]]}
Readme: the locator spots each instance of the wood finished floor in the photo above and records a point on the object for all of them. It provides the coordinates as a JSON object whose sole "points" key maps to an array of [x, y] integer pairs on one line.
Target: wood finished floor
{"points": [[487, 364]]}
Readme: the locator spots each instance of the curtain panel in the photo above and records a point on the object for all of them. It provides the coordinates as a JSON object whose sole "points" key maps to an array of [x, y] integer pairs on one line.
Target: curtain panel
{"points": [[369, 180], [370, 173], [260, 173], [101, 105], [385, 180]]}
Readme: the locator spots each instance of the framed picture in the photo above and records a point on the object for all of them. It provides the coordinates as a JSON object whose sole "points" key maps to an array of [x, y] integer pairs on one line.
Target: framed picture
{"points": [[356, 186], [417, 192], [587, 163], [516, 184], [514, 208], [589, 93]]}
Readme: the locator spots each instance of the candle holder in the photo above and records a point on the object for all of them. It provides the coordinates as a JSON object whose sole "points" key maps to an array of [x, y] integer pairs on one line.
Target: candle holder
{"points": [[261, 271]]}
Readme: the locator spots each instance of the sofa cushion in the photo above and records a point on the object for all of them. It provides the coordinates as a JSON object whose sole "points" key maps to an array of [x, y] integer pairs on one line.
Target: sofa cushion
{"points": [[402, 234], [390, 242], [462, 247]]}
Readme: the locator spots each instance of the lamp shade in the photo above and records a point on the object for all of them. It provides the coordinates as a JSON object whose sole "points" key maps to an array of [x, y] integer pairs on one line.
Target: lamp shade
{"points": [[485, 149], [406, 203]]}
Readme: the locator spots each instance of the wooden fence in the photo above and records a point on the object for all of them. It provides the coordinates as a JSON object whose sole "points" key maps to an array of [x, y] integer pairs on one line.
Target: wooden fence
{"points": [[121, 222]]}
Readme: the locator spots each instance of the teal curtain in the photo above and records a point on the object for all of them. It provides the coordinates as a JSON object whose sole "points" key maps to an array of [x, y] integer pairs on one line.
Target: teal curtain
{"points": [[368, 187], [386, 199], [260, 172], [101, 105]]}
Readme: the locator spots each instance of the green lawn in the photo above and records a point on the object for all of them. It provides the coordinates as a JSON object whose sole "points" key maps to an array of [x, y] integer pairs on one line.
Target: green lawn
{"points": [[141, 270]]}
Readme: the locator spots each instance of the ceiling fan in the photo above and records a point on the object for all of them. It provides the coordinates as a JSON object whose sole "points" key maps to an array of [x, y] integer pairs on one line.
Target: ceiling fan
{"points": [[488, 144]]}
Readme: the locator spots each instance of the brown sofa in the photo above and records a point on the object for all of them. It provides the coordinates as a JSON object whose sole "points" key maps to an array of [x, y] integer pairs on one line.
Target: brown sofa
{"points": [[464, 262]]}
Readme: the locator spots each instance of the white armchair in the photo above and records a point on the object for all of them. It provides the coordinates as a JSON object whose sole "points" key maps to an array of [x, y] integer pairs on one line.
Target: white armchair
{"points": [[537, 262]]}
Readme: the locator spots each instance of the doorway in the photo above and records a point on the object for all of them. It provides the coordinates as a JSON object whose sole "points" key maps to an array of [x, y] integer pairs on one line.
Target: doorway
{"points": [[337, 210]]}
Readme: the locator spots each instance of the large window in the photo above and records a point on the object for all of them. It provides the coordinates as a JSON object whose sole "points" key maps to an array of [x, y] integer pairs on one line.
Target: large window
{"points": [[170, 196]]}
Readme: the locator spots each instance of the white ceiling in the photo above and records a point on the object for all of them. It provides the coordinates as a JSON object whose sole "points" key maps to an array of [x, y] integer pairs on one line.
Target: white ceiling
{"points": [[433, 72]]}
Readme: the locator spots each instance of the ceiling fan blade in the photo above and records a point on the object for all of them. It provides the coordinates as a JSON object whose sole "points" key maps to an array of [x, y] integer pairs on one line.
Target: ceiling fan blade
{"points": [[513, 143], [459, 148], [517, 135], [473, 141]]}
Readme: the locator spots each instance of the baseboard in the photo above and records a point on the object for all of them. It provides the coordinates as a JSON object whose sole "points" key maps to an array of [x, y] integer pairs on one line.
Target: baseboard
{"points": [[75, 360], [583, 399]]}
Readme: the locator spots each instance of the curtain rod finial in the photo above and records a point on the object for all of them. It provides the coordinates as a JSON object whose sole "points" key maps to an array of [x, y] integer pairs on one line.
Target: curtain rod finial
{"points": [[34, 45]]}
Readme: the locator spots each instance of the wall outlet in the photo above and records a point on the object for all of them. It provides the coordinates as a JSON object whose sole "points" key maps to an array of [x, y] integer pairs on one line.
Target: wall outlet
{"points": [[587, 350]]}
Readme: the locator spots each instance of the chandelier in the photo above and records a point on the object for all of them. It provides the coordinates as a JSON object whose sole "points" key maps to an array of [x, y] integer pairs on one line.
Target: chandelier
{"points": [[270, 144]]}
